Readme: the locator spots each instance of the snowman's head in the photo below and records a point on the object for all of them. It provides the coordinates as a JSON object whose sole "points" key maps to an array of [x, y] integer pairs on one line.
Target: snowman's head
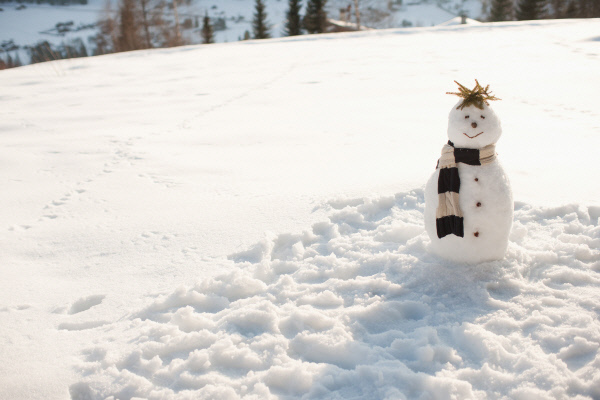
{"points": [[472, 123], [472, 127]]}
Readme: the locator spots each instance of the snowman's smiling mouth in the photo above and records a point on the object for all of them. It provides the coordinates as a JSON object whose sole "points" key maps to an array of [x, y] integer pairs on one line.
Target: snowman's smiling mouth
{"points": [[472, 137]]}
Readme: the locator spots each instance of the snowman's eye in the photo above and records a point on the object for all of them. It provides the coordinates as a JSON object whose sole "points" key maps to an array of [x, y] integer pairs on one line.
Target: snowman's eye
{"points": [[482, 117], [466, 116]]}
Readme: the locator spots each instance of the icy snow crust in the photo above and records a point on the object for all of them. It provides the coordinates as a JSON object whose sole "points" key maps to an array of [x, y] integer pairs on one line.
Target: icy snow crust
{"points": [[357, 308]]}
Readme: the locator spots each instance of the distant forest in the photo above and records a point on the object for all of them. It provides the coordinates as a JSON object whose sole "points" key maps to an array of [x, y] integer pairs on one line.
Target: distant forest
{"points": [[51, 2], [145, 24]]}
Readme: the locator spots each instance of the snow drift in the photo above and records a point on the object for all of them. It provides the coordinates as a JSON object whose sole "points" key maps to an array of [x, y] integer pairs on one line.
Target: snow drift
{"points": [[357, 308]]}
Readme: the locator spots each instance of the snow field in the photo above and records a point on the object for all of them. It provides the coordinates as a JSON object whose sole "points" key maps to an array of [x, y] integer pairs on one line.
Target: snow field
{"points": [[133, 174], [356, 308]]}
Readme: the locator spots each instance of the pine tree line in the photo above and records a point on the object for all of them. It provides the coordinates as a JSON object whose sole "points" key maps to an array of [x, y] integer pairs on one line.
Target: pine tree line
{"points": [[40, 52], [293, 24], [207, 30], [507, 10], [260, 26], [314, 20]]}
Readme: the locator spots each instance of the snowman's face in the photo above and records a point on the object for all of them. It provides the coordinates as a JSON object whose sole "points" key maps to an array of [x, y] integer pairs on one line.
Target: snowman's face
{"points": [[473, 128]]}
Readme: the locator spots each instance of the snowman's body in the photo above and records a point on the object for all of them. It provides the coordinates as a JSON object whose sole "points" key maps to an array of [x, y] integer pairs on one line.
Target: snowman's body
{"points": [[491, 220], [485, 196]]}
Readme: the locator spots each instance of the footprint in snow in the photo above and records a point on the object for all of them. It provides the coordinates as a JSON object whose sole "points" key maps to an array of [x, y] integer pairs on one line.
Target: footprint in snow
{"points": [[85, 303], [80, 326]]}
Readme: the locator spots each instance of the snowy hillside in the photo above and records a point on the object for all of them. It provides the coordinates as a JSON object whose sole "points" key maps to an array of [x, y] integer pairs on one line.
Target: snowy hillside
{"points": [[246, 220]]}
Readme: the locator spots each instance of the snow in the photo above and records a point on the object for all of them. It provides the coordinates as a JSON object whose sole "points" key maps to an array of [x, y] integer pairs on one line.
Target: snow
{"points": [[353, 315], [459, 21], [246, 219]]}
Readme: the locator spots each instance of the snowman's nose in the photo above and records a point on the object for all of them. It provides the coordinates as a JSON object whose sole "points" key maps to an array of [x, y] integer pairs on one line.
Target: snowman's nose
{"points": [[474, 124]]}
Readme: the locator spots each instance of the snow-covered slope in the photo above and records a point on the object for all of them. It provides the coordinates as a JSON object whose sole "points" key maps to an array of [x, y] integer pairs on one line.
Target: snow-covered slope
{"points": [[132, 181], [355, 307]]}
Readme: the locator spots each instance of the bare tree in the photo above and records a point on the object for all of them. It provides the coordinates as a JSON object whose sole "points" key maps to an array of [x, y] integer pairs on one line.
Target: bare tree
{"points": [[178, 40], [129, 29], [357, 12], [145, 21], [105, 40]]}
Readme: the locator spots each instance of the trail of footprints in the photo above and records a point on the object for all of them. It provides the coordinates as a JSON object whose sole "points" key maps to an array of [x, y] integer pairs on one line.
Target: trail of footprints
{"points": [[53, 209], [123, 153]]}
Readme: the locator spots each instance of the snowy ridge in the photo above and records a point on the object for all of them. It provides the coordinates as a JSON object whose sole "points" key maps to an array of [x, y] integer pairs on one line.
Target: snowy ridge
{"points": [[356, 307]]}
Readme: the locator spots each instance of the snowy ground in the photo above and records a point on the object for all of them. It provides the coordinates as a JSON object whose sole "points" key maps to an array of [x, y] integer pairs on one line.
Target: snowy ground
{"points": [[133, 181]]}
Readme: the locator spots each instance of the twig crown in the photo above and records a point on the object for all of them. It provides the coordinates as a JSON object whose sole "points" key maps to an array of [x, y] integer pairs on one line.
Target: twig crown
{"points": [[474, 97]]}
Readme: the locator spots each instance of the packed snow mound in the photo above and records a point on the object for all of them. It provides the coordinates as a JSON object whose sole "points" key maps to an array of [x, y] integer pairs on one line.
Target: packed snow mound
{"points": [[356, 307]]}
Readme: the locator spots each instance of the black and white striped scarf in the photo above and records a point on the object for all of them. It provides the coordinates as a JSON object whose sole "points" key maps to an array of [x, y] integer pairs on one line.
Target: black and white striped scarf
{"points": [[449, 216]]}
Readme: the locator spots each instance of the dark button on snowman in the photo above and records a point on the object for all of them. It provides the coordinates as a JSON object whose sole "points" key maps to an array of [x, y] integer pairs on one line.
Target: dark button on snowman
{"points": [[468, 199]]}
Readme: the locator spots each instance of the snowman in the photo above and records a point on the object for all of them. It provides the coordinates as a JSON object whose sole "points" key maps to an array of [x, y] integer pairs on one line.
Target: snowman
{"points": [[468, 199]]}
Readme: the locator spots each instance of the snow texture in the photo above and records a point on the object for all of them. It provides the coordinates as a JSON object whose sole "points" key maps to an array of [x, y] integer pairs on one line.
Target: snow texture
{"points": [[486, 198], [127, 176], [357, 308]]}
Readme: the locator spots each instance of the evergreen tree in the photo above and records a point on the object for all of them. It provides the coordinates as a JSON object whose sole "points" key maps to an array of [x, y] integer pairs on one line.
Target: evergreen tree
{"points": [[9, 61], [558, 8], [292, 25], [315, 18], [595, 12], [260, 27], [588, 8], [530, 9], [82, 49], [17, 62], [501, 10], [571, 11], [207, 30]]}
